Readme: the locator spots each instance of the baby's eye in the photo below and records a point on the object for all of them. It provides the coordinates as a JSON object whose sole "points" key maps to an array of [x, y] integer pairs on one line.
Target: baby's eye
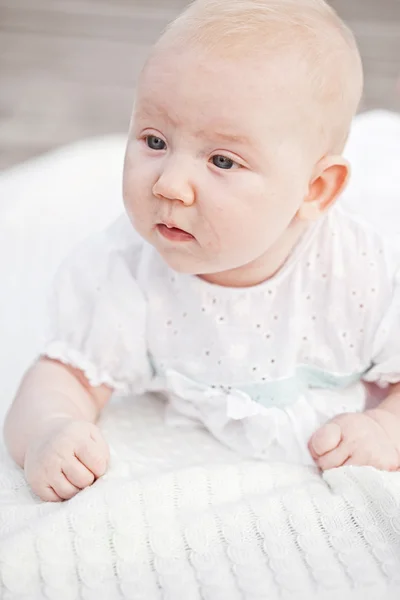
{"points": [[155, 143], [222, 162]]}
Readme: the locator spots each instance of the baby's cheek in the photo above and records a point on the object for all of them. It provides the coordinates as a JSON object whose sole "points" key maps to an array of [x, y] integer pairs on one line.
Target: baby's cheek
{"points": [[224, 233], [131, 178], [137, 192], [128, 186]]}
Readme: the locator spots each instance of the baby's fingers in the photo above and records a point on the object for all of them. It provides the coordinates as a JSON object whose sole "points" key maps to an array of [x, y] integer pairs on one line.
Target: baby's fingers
{"points": [[62, 487], [335, 458], [325, 439], [43, 489], [48, 494], [78, 474], [94, 454]]}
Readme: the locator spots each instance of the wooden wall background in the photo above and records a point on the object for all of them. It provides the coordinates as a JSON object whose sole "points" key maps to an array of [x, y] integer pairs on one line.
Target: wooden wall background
{"points": [[68, 67]]}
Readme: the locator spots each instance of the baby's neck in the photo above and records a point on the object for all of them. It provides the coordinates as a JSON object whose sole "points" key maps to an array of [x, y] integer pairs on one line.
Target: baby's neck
{"points": [[264, 267]]}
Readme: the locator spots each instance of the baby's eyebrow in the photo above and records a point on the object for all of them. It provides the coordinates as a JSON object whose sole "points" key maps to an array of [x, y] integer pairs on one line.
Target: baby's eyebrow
{"points": [[153, 110], [226, 137]]}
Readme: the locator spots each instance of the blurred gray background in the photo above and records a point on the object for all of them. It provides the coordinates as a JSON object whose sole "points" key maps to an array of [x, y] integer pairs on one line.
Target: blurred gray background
{"points": [[68, 67]]}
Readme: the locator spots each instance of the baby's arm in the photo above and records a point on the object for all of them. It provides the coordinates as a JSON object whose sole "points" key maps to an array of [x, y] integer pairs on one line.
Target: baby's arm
{"points": [[50, 432], [371, 438], [391, 403]]}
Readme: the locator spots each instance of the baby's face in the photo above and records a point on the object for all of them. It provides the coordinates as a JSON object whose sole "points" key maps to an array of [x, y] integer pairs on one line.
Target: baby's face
{"points": [[214, 171]]}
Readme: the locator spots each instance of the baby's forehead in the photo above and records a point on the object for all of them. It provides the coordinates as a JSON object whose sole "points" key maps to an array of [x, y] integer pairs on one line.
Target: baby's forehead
{"points": [[240, 66], [257, 82]]}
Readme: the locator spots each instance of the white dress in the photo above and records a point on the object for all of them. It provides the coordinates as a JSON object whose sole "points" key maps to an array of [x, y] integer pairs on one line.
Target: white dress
{"points": [[262, 367]]}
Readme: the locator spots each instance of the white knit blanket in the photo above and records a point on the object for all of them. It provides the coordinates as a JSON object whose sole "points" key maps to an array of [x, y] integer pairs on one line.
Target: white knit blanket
{"points": [[178, 516]]}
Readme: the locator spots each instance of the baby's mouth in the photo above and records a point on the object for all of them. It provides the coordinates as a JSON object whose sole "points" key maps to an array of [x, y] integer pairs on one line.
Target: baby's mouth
{"points": [[174, 234]]}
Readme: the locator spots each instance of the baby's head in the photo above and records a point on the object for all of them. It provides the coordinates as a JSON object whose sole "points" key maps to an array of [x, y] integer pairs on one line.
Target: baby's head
{"points": [[242, 112]]}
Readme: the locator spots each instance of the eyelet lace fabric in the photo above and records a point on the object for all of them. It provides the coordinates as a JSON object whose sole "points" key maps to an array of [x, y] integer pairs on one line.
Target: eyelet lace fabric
{"points": [[179, 516]]}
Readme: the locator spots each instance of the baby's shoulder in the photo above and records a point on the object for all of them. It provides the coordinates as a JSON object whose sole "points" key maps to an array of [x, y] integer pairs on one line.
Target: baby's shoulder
{"points": [[359, 250], [109, 259], [351, 270]]}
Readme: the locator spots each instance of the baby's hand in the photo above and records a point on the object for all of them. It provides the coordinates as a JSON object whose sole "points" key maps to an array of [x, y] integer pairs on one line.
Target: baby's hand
{"points": [[67, 457], [364, 439]]}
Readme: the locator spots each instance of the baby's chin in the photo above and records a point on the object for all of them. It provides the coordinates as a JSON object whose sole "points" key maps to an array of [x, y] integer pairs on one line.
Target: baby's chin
{"points": [[187, 264], [211, 273]]}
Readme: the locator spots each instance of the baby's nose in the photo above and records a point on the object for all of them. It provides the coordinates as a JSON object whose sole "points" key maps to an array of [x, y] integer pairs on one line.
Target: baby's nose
{"points": [[174, 183]]}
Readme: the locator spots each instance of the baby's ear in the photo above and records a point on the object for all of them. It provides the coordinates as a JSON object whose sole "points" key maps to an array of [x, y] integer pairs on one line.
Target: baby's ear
{"points": [[329, 179]]}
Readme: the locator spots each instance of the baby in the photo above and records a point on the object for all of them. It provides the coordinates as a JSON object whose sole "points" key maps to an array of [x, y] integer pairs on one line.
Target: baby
{"points": [[232, 285]]}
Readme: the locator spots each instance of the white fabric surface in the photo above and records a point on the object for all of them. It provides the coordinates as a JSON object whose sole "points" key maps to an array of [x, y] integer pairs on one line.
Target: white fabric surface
{"points": [[180, 518], [178, 515]]}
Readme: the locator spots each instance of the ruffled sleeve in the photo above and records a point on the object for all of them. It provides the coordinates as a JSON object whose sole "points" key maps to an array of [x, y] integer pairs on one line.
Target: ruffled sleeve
{"points": [[97, 312], [385, 368]]}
